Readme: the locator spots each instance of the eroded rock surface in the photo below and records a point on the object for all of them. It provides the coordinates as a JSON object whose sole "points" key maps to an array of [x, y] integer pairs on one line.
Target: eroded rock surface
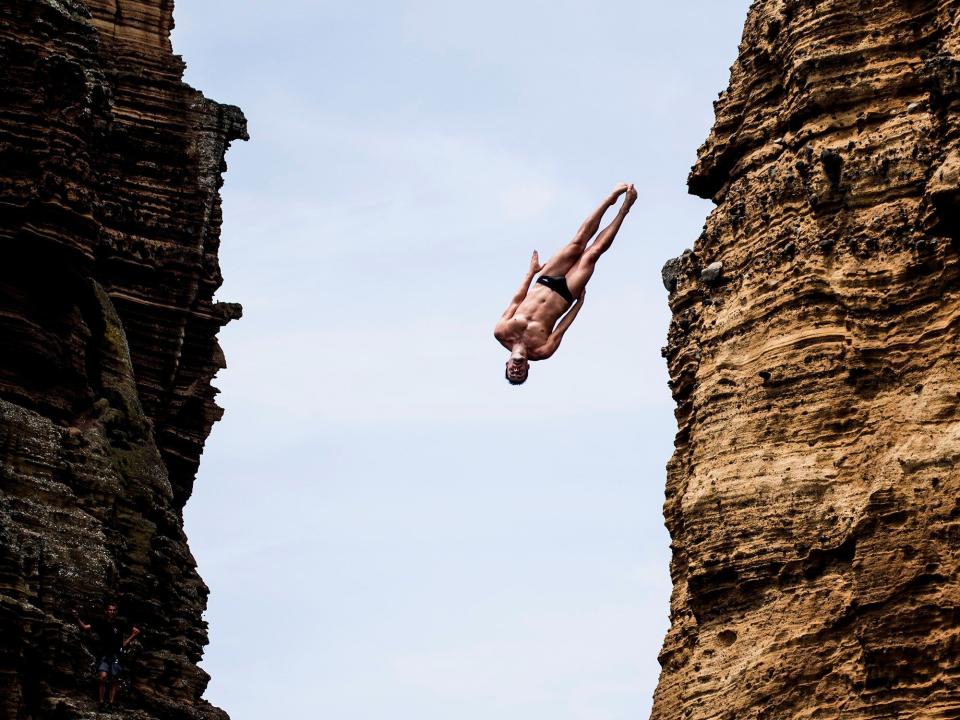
{"points": [[109, 228], [814, 495]]}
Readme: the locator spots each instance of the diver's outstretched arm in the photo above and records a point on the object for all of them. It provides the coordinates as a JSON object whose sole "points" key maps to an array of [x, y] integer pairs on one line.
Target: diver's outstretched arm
{"points": [[521, 293]]}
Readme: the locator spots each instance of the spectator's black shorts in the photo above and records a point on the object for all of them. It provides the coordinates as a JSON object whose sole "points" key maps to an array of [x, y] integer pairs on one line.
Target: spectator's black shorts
{"points": [[109, 664]]}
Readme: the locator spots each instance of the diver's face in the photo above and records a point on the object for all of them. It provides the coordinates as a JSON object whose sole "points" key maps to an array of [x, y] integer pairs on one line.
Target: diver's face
{"points": [[111, 611], [517, 369]]}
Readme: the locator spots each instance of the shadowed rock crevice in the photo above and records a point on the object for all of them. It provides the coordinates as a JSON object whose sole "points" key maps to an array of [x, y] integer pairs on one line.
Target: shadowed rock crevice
{"points": [[811, 494], [110, 169]]}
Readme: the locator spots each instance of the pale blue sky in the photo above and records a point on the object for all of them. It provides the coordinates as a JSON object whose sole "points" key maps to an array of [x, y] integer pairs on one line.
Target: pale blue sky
{"points": [[389, 530]]}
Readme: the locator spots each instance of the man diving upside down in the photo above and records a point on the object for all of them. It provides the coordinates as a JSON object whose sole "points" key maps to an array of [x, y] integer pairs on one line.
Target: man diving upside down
{"points": [[526, 328]]}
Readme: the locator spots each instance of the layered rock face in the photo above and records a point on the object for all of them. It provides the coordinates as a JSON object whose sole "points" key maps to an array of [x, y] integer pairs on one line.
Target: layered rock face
{"points": [[814, 495], [109, 229]]}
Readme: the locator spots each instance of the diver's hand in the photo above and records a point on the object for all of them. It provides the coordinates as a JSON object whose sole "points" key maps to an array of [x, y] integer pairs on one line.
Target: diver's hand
{"points": [[535, 265]]}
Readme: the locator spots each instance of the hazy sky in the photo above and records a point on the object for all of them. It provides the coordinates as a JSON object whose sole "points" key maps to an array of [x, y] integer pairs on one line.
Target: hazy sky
{"points": [[389, 530]]}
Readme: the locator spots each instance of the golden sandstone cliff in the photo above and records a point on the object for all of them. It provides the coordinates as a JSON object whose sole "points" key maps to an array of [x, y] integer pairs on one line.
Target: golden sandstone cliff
{"points": [[814, 497], [109, 229]]}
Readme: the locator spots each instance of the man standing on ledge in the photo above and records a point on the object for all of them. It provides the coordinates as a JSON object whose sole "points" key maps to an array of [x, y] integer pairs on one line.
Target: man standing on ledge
{"points": [[110, 643], [527, 326]]}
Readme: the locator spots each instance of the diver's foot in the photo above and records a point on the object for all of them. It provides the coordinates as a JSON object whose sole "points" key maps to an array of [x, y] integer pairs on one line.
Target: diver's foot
{"points": [[101, 706], [619, 190]]}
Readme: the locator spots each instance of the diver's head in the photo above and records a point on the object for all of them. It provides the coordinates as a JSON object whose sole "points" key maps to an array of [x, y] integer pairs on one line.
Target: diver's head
{"points": [[518, 367]]}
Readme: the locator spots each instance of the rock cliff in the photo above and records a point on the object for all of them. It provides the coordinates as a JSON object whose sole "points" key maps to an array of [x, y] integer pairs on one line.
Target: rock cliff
{"points": [[109, 228], [813, 499]]}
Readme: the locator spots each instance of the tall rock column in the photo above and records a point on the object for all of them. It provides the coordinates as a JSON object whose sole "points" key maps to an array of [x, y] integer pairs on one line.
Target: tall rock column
{"points": [[110, 168], [813, 499]]}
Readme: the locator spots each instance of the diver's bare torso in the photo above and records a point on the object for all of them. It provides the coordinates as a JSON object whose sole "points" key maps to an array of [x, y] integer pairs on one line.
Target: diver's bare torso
{"points": [[533, 321]]}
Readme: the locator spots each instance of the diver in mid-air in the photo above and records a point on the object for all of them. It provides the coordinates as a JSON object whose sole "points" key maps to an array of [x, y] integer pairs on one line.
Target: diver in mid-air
{"points": [[526, 328]]}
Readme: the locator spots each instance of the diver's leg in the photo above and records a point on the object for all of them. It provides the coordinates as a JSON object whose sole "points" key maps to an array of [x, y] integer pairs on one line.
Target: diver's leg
{"points": [[580, 274], [590, 226], [567, 257]]}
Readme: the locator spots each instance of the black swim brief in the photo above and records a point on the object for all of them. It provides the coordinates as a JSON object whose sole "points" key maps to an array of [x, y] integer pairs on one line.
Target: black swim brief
{"points": [[557, 283]]}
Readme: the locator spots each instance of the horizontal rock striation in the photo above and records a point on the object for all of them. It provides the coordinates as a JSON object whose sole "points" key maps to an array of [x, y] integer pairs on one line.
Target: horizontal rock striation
{"points": [[110, 168], [813, 499]]}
